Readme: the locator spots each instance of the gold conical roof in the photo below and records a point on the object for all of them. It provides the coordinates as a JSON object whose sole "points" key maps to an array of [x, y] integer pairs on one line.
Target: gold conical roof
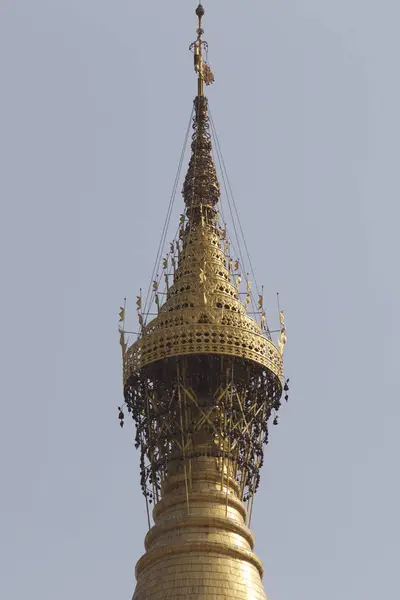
{"points": [[202, 313]]}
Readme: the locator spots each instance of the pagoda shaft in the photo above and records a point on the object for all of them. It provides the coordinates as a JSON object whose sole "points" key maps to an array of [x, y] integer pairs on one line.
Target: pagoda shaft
{"points": [[199, 547]]}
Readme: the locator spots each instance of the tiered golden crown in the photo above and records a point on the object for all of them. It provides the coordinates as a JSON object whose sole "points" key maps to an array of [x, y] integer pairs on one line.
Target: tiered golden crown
{"points": [[202, 313]]}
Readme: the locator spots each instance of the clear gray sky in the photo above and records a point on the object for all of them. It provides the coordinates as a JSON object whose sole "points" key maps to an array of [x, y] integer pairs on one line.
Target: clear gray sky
{"points": [[95, 99]]}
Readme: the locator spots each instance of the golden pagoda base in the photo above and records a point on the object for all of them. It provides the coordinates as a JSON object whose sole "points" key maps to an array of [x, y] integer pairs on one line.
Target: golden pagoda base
{"points": [[199, 547]]}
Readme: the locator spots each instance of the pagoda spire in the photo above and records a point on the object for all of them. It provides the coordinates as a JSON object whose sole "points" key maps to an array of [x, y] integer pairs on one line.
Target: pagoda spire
{"points": [[200, 384]]}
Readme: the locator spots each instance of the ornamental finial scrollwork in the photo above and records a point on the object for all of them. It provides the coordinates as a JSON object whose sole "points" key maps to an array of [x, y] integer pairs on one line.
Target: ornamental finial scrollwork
{"points": [[200, 51]]}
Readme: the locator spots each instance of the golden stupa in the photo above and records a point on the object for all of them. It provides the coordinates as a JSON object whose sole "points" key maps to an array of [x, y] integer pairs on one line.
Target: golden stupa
{"points": [[200, 382]]}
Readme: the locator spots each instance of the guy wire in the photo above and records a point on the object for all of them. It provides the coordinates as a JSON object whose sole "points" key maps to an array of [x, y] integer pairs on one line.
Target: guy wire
{"points": [[228, 187], [169, 211]]}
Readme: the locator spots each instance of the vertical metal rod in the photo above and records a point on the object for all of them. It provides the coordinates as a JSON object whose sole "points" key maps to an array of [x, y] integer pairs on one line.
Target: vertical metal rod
{"points": [[183, 439]]}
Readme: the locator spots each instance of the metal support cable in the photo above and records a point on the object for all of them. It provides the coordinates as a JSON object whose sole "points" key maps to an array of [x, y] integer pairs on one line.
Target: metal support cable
{"points": [[169, 212], [225, 179], [228, 186], [233, 199]]}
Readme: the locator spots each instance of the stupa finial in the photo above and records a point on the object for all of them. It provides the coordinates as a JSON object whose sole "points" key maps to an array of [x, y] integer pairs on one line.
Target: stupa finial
{"points": [[200, 47]]}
